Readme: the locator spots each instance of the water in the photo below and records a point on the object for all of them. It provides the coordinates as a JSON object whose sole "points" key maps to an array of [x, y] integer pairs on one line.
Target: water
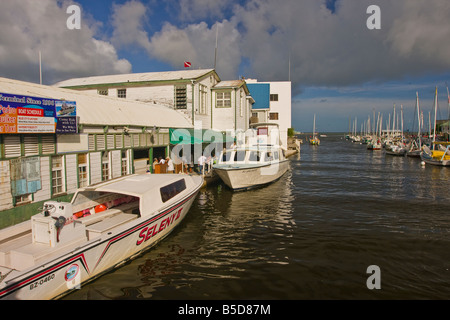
{"points": [[311, 235]]}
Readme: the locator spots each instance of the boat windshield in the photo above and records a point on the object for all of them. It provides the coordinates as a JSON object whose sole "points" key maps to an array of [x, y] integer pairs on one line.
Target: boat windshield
{"points": [[254, 156], [171, 190]]}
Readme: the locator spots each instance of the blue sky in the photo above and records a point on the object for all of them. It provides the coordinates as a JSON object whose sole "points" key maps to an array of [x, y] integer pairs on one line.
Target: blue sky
{"points": [[339, 67]]}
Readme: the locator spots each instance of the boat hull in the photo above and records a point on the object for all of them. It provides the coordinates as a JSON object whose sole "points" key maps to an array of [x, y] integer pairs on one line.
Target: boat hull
{"points": [[434, 161], [55, 278], [245, 177]]}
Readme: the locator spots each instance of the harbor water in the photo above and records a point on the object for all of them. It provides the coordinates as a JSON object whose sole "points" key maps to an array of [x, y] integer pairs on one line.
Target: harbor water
{"points": [[313, 234]]}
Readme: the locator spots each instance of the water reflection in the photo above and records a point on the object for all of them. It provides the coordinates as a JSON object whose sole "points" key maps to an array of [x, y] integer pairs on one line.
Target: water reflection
{"points": [[310, 235]]}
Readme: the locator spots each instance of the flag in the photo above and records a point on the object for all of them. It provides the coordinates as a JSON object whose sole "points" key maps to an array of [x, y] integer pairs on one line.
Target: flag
{"points": [[187, 64]]}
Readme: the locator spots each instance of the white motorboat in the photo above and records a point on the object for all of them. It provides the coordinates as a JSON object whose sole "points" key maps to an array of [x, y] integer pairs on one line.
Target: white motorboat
{"points": [[69, 244], [252, 164]]}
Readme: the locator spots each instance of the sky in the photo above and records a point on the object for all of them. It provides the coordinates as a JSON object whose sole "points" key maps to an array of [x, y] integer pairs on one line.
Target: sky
{"points": [[339, 68]]}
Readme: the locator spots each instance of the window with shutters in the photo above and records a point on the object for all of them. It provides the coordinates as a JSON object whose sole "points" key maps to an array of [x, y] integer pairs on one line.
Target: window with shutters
{"points": [[100, 138], [58, 183], [31, 145], [203, 99], [119, 141], [135, 140], [83, 176], [105, 166], [91, 142], [127, 141], [180, 97], [110, 142], [48, 144], [12, 146]]}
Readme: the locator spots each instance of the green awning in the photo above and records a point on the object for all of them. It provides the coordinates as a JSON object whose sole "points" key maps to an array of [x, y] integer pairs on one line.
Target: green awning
{"points": [[197, 136]]}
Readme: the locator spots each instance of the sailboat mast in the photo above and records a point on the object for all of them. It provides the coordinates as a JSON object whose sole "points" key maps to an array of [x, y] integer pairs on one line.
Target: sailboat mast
{"points": [[418, 120], [435, 113]]}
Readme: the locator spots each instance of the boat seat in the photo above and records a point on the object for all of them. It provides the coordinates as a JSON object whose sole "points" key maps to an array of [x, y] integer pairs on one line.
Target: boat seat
{"points": [[107, 224], [28, 255], [94, 218], [14, 243]]}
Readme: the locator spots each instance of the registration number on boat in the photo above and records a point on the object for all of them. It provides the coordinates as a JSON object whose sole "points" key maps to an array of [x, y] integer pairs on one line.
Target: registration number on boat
{"points": [[42, 281]]}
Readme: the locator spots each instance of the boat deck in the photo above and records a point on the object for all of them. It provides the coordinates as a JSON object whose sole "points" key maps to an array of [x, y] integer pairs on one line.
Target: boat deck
{"points": [[19, 252]]}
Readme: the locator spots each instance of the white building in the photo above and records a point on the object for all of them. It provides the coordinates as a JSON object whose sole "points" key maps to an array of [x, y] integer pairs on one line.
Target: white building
{"points": [[272, 104], [199, 95], [114, 137]]}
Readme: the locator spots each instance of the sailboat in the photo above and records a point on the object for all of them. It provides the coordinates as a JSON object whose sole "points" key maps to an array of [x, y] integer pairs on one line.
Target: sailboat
{"points": [[415, 147], [396, 148], [315, 140], [436, 157]]}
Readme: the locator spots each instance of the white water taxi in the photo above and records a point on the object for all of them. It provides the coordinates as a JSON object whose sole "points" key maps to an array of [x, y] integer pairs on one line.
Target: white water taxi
{"points": [[69, 244], [253, 164]]}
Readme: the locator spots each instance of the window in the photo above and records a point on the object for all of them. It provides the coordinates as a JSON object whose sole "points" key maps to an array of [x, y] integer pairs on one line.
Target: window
{"points": [[124, 163], [274, 97], [105, 166], [223, 99], [180, 97], [48, 144], [12, 146], [83, 177], [171, 190], [203, 99], [58, 185], [254, 156], [121, 93], [23, 199], [273, 116], [239, 155], [102, 92]]}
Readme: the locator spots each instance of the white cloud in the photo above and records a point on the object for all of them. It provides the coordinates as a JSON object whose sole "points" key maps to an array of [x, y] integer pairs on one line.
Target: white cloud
{"points": [[29, 26], [128, 21], [196, 44], [330, 49]]}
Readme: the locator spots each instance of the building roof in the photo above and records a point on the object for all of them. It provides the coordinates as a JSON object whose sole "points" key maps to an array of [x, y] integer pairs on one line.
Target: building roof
{"points": [[137, 77], [94, 109]]}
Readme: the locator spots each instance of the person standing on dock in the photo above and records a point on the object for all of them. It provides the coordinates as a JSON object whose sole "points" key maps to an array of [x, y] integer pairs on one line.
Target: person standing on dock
{"points": [[201, 163]]}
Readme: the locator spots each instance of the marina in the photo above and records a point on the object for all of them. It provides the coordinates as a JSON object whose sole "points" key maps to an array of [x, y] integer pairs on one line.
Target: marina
{"points": [[202, 152], [310, 235]]}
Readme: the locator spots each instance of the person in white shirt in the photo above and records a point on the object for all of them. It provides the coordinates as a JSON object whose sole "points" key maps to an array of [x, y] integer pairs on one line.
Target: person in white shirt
{"points": [[170, 168], [201, 163]]}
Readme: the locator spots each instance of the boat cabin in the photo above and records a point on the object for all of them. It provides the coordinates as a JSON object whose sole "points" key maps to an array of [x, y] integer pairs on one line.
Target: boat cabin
{"points": [[251, 155]]}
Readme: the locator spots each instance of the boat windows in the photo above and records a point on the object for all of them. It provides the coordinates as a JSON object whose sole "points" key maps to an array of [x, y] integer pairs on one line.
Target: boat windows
{"points": [[254, 156], [171, 190], [226, 156], [268, 156], [239, 155], [275, 155]]}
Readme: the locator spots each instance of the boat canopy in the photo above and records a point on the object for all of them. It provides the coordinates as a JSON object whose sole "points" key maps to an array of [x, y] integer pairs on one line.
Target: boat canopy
{"points": [[150, 189]]}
